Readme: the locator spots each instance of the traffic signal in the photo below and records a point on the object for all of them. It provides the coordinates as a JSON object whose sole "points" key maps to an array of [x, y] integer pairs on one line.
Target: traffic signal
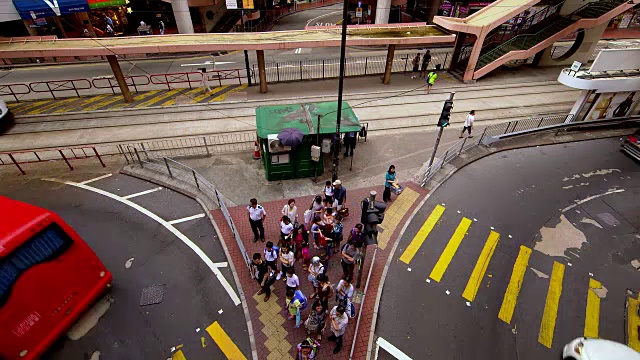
{"points": [[370, 219], [446, 113]]}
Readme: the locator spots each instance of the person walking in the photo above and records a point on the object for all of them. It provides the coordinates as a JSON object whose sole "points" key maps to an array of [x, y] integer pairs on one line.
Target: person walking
{"points": [[339, 321], [426, 59], [431, 79], [340, 194], [161, 26], [468, 123], [389, 180], [350, 141], [257, 214], [416, 66], [109, 30], [349, 257]]}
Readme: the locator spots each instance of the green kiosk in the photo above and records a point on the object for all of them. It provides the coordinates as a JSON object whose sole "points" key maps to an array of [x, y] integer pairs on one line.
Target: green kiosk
{"points": [[317, 124]]}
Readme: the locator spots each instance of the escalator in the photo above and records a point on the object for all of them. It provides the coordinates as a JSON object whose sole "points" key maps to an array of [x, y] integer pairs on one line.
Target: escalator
{"points": [[227, 22]]}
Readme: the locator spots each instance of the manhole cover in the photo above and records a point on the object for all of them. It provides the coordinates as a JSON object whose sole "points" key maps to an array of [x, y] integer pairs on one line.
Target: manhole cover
{"points": [[608, 219], [152, 295]]}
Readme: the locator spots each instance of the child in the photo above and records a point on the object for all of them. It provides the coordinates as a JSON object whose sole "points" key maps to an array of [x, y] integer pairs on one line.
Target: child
{"points": [[317, 234], [292, 280], [292, 305], [328, 192], [286, 261], [338, 226], [298, 240], [286, 228], [271, 257], [316, 320], [315, 269], [307, 349]]}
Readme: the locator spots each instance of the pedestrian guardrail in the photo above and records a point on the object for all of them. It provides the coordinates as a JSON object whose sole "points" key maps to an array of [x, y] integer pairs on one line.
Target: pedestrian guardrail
{"points": [[14, 90], [109, 82], [466, 144], [18, 158], [60, 85]]}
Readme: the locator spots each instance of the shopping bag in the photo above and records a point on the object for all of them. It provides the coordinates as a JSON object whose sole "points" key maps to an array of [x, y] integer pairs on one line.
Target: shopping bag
{"points": [[397, 188], [308, 215]]}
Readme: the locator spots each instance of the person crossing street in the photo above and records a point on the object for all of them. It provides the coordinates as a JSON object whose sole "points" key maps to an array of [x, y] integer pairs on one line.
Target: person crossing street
{"points": [[468, 123]]}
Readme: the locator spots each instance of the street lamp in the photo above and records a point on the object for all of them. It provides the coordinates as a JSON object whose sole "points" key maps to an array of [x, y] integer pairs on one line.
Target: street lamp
{"points": [[336, 150]]}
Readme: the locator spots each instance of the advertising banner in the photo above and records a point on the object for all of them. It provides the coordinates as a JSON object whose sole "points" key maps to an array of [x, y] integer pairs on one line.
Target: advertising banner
{"points": [[32, 9], [613, 105]]}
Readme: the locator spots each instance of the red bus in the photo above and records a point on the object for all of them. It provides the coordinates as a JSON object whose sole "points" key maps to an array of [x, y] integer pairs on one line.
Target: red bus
{"points": [[48, 278]]}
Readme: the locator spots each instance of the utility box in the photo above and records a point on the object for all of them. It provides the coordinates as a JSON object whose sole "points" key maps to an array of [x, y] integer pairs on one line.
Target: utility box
{"points": [[316, 121]]}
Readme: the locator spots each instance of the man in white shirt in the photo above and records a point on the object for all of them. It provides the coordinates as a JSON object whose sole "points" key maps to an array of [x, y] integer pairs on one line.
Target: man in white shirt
{"points": [[339, 321], [257, 214], [468, 123]]}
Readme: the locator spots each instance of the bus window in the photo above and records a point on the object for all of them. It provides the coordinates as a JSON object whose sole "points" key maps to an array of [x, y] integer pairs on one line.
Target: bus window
{"points": [[45, 246]]}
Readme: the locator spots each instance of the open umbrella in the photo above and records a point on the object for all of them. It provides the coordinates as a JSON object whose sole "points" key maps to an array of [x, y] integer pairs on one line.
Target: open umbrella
{"points": [[290, 137]]}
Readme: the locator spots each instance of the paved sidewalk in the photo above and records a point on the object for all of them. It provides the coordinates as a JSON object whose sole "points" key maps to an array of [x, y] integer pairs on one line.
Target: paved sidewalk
{"points": [[276, 337]]}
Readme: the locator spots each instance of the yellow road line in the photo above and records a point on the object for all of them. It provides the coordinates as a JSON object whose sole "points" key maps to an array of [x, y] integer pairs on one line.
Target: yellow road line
{"points": [[471, 290], [159, 98], [53, 104], [394, 215], [422, 234], [139, 97], [19, 108], [515, 283], [450, 250], [224, 95], [178, 355], [224, 342], [208, 94], [592, 317], [548, 324], [81, 104], [633, 323], [190, 94]]}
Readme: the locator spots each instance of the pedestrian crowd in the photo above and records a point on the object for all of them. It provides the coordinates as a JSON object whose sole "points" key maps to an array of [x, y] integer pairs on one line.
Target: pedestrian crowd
{"points": [[317, 230]]}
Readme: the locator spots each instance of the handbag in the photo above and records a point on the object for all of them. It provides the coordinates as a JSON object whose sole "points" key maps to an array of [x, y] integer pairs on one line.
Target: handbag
{"points": [[308, 215], [397, 188], [344, 212]]}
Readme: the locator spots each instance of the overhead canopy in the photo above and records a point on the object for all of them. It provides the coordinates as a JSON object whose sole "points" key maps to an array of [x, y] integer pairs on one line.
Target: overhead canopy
{"points": [[31, 9], [272, 119], [97, 4], [412, 34]]}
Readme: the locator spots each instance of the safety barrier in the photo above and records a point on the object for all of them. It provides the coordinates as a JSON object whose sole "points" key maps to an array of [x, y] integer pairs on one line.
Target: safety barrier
{"points": [[196, 77], [111, 83], [14, 90], [60, 85], [17, 158]]}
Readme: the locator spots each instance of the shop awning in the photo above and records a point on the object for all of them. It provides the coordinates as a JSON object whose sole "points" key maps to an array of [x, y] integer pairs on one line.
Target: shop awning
{"points": [[31, 9], [97, 4]]}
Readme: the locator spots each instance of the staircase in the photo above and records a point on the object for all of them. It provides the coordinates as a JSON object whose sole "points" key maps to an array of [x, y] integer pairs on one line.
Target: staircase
{"points": [[526, 41], [227, 22]]}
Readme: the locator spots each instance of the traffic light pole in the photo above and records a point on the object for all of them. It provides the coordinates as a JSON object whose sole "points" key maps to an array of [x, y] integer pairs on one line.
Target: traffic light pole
{"points": [[246, 54], [336, 150], [435, 147]]}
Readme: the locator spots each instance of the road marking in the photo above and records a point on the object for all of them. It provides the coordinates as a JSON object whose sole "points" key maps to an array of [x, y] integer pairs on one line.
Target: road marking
{"points": [[394, 351], [579, 202], [592, 317], [178, 221], [178, 355], [394, 215], [422, 234], [515, 283], [176, 232], [142, 193], [321, 16], [228, 347], [548, 324], [450, 250], [95, 179], [298, 50], [471, 290], [633, 323]]}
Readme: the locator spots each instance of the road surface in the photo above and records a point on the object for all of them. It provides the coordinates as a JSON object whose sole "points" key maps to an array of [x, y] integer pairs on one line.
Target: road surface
{"points": [[560, 221]]}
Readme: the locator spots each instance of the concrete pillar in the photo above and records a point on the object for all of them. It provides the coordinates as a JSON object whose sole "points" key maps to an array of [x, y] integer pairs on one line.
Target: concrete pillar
{"points": [[383, 9], [182, 15], [387, 69], [117, 72], [579, 105], [261, 71], [433, 10], [32, 31], [473, 57], [84, 19], [457, 47]]}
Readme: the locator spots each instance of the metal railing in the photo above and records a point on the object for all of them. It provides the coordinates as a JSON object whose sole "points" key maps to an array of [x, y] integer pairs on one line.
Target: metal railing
{"points": [[14, 90], [60, 85], [111, 83], [17, 158], [466, 144], [234, 230], [355, 66]]}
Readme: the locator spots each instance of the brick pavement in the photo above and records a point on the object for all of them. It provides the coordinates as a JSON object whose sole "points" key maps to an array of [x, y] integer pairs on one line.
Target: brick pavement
{"points": [[267, 318]]}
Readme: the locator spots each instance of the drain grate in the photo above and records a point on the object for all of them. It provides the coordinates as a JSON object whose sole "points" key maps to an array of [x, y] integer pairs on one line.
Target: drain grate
{"points": [[152, 295]]}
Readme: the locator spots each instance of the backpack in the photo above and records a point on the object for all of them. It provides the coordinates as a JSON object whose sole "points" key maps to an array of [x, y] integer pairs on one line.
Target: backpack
{"points": [[276, 249], [298, 295], [363, 132]]}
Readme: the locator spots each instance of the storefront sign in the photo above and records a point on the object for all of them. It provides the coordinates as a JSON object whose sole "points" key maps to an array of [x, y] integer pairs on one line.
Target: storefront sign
{"points": [[231, 4], [358, 12], [97, 4], [44, 8], [479, 4]]}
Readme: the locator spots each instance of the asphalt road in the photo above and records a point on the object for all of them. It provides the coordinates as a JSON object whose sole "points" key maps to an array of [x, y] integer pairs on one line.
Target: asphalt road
{"points": [[573, 204], [194, 297], [323, 16]]}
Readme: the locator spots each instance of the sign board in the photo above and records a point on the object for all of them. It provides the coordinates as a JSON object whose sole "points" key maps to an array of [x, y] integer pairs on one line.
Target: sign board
{"points": [[359, 3], [576, 66], [239, 4], [231, 4], [247, 4], [359, 12], [616, 59]]}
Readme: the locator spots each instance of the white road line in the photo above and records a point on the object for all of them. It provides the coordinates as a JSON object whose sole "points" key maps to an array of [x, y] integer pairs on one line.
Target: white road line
{"points": [[95, 179], [394, 351], [142, 193], [321, 16], [578, 202], [298, 50], [221, 264], [177, 221], [176, 232]]}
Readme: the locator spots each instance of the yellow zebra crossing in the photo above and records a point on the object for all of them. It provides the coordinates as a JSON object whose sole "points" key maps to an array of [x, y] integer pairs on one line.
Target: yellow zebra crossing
{"points": [[512, 291], [220, 337]]}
